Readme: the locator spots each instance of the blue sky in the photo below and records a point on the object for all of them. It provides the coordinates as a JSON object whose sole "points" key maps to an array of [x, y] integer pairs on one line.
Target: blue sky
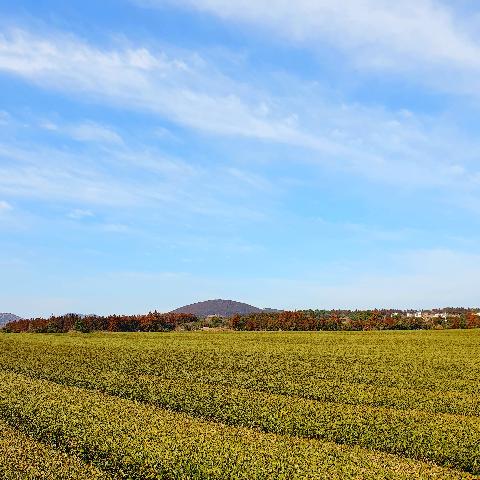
{"points": [[155, 153]]}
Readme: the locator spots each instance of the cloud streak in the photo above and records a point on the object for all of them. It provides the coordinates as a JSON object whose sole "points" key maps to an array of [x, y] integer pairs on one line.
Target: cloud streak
{"points": [[85, 132], [422, 35], [116, 176], [186, 91]]}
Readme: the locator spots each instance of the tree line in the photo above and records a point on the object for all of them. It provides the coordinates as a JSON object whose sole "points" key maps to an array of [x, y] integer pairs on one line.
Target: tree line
{"points": [[351, 320], [300, 320], [151, 322]]}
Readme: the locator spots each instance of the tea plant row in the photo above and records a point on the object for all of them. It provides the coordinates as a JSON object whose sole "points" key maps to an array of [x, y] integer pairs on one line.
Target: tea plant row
{"points": [[134, 441]]}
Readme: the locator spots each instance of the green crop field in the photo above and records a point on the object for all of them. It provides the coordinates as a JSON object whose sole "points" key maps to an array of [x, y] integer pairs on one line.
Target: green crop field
{"points": [[255, 405]]}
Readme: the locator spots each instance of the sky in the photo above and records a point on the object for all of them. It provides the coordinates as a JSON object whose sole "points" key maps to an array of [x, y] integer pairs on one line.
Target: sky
{"points": [[314, 154]]}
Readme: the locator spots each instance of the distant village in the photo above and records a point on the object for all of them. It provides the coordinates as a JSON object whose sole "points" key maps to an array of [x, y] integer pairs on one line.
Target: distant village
{"points": [[430, 314]]}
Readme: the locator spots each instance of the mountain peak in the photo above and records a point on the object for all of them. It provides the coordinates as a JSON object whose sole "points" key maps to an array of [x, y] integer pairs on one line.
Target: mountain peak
{"points": [[8, 317], [220, 307]]}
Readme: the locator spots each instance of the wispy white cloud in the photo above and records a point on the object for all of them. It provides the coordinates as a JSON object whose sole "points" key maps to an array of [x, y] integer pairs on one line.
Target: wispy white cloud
{"points": [[164, 133], [86, 131], [423, 35], [5, 206], [109, 176], [187, 91], [252, 180], [50, 174], [78, 214]]}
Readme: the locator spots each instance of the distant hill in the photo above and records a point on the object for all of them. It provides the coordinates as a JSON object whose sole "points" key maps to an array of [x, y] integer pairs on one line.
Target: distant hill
{"points": [[7, 317], [223, 308]]}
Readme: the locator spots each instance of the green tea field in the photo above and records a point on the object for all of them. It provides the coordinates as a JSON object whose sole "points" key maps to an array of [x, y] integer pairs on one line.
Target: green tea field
{"points": [[253, 405]]}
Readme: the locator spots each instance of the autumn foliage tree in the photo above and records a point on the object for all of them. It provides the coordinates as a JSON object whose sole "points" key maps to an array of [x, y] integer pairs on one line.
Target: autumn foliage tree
{"points": [[151, 322]]}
